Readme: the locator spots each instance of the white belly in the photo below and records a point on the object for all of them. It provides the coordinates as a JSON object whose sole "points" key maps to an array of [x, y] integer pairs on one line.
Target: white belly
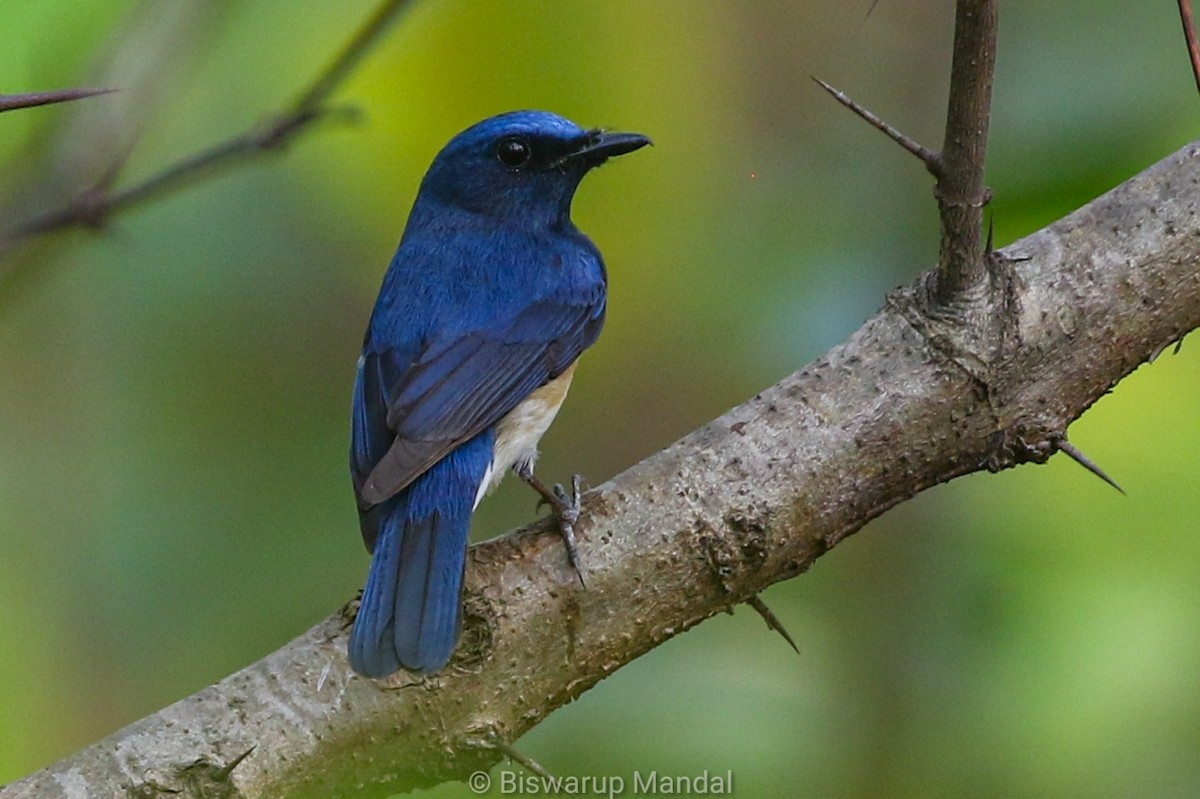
{"points": [[518, 433]]}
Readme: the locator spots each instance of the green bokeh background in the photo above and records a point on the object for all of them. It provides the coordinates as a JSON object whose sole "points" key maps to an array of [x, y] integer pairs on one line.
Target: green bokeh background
{"points": [[174, 500]]}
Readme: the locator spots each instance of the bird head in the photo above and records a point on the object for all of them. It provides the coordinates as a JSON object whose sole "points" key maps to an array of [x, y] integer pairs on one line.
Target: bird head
{"points": [[521, 165]]}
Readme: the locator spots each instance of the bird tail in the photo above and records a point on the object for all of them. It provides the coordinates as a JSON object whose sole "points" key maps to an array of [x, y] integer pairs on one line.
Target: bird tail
{"points": [[410, 615]]}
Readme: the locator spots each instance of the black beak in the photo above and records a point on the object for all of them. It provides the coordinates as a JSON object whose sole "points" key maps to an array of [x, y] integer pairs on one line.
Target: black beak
{"points": [[600, 145]]}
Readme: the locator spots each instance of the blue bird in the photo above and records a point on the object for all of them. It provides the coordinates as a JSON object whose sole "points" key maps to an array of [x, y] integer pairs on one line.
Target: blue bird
{"points": [[488, 302]]}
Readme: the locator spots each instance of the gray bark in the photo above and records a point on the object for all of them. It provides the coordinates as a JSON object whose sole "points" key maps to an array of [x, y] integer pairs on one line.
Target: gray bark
{"points": [[911, 399]]}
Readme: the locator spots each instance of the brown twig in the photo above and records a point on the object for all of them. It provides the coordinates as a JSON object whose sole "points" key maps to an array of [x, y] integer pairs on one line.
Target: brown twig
{"points": [[1189, 33], [93, 206], [961, 193], [11, 102]]}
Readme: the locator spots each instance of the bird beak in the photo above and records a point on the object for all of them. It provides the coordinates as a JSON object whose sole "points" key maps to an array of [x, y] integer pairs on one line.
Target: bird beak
{"points": [[600, 145]]}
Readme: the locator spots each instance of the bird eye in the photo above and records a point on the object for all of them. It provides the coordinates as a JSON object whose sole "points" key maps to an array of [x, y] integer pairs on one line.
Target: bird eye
{"points": [[513, 151]]}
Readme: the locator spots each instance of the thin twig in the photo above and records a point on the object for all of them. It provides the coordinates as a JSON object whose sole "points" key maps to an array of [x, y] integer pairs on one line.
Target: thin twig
{"points": [[771, 619], [11, 102], [92, 207], [1083, 460], [961, 193], [1189, 33], [329, 80], [931, 159]]}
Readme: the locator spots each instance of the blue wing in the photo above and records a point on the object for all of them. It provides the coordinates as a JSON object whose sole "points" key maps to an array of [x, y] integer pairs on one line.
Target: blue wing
{"points": [[411, 408]]}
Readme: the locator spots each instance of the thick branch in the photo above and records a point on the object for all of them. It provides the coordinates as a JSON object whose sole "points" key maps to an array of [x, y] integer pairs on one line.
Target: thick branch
{"points": [[908, 401], [961, 193]]}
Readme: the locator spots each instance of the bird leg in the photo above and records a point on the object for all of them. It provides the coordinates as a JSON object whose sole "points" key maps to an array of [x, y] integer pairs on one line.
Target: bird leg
{"points": [[566, 507]]}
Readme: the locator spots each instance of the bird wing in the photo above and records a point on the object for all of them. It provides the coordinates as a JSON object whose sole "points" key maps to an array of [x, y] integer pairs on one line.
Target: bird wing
{"points": [[409, 412]]}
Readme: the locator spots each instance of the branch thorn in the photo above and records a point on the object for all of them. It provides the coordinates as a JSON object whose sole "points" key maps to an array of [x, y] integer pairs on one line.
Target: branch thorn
{"points": [[931, 159], [755, 601], [11, 102], [1084, 461], [224, 773], [494, 741]]}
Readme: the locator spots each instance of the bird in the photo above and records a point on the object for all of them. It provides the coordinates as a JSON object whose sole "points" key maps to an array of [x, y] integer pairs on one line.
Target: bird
{"points": [[492, 295]]}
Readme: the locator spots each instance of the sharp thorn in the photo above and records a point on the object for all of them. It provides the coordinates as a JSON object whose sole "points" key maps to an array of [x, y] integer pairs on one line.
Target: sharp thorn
{"points": [[771, 619], [1086, 462], [224, 773], [10, 102], [931, 159], [1178, 346], [517, 756]]}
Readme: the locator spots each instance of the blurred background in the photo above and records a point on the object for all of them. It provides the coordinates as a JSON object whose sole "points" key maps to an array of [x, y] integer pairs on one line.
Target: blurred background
{"points": [[174, 498]]}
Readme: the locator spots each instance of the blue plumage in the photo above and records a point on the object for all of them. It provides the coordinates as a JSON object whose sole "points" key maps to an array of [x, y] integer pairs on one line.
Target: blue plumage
{"points": [[409, 613], [488, 302]]}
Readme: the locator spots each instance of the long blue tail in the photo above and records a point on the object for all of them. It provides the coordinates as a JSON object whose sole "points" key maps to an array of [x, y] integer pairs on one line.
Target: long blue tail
{"points": [[410, 614]]}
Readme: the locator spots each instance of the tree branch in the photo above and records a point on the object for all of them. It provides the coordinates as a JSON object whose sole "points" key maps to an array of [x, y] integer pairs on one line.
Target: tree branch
{"points": [[960, 191], [959, 167], [908, 401], [92, 207], [915, 397], [1189, 34]]}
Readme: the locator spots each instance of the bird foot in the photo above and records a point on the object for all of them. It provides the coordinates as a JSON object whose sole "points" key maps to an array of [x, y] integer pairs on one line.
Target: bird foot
{"points": [[566, 507]]}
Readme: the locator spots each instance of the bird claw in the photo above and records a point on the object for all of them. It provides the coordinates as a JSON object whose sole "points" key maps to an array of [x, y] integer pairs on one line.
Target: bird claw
{"points": [[566, 507]]}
